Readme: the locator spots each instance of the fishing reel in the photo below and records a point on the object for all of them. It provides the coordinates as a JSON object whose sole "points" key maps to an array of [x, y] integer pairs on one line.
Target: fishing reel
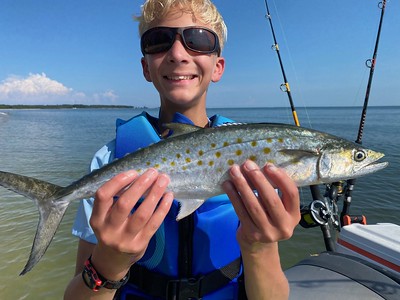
{"points": [[323, 212]]}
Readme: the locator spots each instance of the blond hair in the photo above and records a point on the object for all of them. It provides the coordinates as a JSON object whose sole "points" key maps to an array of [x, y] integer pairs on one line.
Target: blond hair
{"points": [[204, 10]]}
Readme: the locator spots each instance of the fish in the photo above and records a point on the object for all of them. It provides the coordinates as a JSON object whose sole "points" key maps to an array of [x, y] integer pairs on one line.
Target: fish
{"points": [[197, 161]]}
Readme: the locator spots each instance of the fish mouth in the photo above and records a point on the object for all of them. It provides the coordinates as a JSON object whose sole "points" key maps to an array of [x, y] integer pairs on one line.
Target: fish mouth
{"points": [[373, 166], [377, 165]]}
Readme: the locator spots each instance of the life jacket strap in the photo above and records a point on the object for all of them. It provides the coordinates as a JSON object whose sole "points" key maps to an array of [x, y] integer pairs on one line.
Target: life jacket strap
{"points": [[165, 287]]}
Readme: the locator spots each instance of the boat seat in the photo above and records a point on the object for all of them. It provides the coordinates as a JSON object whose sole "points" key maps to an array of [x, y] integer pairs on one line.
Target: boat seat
{"points": [[332, 275]]}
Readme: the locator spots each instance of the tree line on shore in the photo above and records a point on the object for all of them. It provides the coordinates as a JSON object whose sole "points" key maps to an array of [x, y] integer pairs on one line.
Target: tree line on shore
{"points": [[60, 106]]}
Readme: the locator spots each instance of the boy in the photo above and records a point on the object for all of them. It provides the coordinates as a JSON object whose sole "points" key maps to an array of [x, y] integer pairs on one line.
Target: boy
{"points": [[181, 42]]}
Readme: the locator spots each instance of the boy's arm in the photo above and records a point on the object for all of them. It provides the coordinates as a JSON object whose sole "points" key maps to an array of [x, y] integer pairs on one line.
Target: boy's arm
{"points": [[264, 278], [265, 218]]}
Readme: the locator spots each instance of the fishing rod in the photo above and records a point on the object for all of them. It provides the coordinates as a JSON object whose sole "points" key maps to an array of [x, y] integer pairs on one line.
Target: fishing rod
{"points": [[284, 86], [317, 213], [370, 63]]}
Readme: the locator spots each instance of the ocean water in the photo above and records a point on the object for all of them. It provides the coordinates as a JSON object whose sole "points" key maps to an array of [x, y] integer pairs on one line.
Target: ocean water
{"points": [[57, 146]]}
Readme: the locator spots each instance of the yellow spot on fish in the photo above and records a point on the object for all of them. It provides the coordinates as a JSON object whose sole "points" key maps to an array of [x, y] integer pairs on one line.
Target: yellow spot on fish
{"points": [[254, 143], [173, 164], [184, 168], [200, 163], [187, 151], [201, 152], [253, 157], [267, 150], [239, 140], [239, 152], [280, 140], [226, 144], [188, 160], [210, 163], [213, 145], [271, 161], [218, 154], [148, 163], [231, 162], [269, 140], [178, 156], [164, 159], [156, 166]]}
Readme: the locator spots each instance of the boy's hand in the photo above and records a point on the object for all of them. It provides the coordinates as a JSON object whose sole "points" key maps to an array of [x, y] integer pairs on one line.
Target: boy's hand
{"points": [[122, 236], [265, 218]]}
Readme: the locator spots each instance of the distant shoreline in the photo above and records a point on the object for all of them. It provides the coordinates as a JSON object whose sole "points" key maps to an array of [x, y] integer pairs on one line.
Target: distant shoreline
{"points": [[96, 106], [63, 106]]}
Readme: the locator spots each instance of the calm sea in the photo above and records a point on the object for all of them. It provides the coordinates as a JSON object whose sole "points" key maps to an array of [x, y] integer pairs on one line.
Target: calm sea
{"points": [[57, 145]]}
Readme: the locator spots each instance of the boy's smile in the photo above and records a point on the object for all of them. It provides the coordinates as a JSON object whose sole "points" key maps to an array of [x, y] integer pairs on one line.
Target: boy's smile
{"points": [[182, 76]]}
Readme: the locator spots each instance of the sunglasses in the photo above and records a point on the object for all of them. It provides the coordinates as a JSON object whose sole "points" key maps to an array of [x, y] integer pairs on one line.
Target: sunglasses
{"points": [[197, 39]]}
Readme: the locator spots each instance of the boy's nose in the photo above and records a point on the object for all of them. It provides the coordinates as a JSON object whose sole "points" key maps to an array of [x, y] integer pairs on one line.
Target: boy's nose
{"points": [[178, 50]]}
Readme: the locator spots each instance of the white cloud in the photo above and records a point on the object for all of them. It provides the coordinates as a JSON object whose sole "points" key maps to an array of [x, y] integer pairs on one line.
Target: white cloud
{"points": [[40, 89], [108, 96]]}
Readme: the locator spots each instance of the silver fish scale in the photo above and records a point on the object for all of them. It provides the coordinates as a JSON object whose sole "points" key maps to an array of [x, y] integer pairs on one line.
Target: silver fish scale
{"points": [[197, 162], [201, 159]]}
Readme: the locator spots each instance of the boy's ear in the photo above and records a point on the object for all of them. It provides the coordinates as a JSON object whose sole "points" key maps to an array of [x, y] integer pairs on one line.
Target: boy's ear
{"points": [[145, 68], [219, 69]]}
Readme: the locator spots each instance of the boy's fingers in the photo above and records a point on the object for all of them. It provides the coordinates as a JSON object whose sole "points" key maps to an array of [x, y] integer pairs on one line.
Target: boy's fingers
{"points": [[288, 188], [122, 208], [145, 211], [246, 195], [104, 197], [159, 215]]}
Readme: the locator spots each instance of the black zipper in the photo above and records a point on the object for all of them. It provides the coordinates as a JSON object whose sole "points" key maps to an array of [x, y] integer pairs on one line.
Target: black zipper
{"points": [[185, 259]]}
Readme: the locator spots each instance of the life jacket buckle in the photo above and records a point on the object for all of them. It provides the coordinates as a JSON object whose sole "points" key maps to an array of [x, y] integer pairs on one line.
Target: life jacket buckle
{"points": [[184, 289]]}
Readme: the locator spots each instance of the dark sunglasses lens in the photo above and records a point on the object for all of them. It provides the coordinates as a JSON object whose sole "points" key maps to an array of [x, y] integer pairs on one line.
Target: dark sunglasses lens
{"points": [[158, 40], [199, 39]]}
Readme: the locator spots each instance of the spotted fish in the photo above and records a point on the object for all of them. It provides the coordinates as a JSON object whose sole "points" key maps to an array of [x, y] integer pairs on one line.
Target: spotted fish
{"points": [[197, 161]]}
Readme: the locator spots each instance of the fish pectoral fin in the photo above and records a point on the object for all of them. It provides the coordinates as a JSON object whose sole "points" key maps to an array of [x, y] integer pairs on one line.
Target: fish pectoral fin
{"points": [[294, 156], [180, 128], [298, 154], [188, 206]]}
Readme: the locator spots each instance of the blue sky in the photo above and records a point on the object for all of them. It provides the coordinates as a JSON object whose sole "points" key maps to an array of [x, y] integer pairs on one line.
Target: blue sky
{"points": [[87, 51]]}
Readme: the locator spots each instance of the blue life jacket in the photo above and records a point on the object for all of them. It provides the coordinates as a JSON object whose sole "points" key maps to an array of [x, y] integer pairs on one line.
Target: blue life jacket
{"points": [[195, 258]]}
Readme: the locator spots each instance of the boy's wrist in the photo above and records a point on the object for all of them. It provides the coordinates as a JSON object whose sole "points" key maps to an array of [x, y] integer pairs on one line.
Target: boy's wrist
{"points": [[95, 280], [111, 266], [258, 249]]}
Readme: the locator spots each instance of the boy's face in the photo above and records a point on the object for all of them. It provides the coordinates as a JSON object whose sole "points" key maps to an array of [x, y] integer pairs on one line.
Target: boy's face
{"points": [[182, 76]]}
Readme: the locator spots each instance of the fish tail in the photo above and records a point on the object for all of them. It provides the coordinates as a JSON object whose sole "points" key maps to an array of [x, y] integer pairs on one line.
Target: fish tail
{"points": [[48, 198]]}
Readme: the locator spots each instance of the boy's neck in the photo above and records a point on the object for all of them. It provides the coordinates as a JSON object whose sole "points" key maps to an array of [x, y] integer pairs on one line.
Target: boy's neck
{"points": [[196, 115]]}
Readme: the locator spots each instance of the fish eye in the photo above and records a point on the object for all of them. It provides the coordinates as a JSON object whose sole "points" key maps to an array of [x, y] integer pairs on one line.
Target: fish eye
{"points": [[359, 155]]}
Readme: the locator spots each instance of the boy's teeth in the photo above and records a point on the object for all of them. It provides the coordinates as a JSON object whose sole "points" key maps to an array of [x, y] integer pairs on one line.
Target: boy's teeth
{"points": [[182, 77]]}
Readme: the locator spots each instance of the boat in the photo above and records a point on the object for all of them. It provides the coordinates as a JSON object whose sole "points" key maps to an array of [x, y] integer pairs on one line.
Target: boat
{"points": [[364, 264], [361, 261]]}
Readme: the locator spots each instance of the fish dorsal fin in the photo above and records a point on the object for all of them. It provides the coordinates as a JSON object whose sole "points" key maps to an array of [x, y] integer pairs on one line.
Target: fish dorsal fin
{"points": [[188, 206], [180, 128]]}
